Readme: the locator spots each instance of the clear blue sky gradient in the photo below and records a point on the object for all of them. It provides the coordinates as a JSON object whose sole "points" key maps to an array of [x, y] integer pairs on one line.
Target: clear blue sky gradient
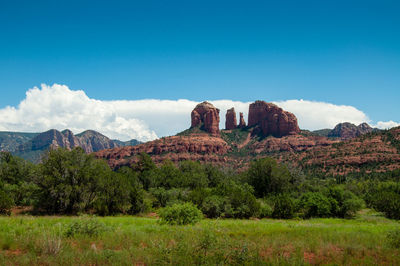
{"points": [[343, 52]]}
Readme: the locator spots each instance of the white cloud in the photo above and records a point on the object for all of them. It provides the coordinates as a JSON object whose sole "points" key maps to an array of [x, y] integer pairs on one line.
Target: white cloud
{"points": [[59, 107], [318, 115], [387, 124]]}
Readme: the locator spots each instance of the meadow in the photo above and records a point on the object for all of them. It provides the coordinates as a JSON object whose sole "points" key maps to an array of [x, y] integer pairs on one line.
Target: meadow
{"points": [[130, 240]]}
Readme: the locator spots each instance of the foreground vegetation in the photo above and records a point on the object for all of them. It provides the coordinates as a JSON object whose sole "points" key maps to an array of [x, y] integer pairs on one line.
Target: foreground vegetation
{"points": [[72, 182], [323, 222], [134, 240]]}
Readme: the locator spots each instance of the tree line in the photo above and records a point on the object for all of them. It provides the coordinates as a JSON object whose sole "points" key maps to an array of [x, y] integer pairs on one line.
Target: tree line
{"points": [[73, 182]]}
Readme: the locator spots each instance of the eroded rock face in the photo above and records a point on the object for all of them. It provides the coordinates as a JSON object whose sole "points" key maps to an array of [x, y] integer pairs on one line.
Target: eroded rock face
{"points": [[272, 120], [198, 147], [90, 141], [349, 130], [206, 116], [230, 119], [242, 123]]}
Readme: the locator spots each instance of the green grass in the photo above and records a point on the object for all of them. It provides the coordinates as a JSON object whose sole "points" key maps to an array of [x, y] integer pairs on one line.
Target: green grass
{"points": [[130, 240]]}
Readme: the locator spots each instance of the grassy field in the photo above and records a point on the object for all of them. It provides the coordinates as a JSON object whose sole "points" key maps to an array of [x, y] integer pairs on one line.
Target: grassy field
{"points": [[126, 240]]}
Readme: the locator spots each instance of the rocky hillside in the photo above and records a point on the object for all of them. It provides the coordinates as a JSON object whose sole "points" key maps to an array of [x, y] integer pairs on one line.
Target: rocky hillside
{"points": [[32, 145], [9, 141], [349, 130], [271, 132]]}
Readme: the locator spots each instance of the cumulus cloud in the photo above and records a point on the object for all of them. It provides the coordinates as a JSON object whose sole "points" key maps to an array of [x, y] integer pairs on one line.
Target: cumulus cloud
{"points": [[318, 115], [387, 124], [59, 107]]}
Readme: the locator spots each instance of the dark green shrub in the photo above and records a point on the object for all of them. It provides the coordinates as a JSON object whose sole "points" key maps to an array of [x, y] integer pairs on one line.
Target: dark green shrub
{"points": [[265, 209], [180, 214], [88, 226], [6, 203], [284, 207], [240, 201], [393, 238], [213, 206], [193, 175], [344, 204], [267, 176], [166, 197], [315, 204], [387, 202]]}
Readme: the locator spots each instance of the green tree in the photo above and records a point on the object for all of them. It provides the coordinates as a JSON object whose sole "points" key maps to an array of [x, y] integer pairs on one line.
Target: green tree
{"points": [[17, 176], [267, 176], [69, 181]]}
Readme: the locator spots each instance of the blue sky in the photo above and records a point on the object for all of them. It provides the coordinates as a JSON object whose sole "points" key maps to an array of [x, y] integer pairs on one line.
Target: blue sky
{"points": [[340, 52]]}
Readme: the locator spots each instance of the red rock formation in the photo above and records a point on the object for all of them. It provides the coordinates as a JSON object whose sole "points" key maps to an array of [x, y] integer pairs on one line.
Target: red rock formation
{"points": [[242, 124], [272, 119], [201, 147], [230, 119], [206, 116]]}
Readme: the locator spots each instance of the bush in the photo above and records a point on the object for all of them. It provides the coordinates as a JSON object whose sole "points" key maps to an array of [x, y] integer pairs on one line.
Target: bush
{"points": [[387, 202], [315, 204], [85, 226], [344, 204], [393, 238], [284, 207], [240, 201], [213, 206], [6, 203], [180, 214], [267, 176], [265, 209]]}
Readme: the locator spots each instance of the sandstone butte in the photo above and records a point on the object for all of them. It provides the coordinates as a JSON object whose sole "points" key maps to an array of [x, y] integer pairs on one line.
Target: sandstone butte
{"points": [[230, 119], [336, 156], [206, 116], [242, 123], [272, 119]]}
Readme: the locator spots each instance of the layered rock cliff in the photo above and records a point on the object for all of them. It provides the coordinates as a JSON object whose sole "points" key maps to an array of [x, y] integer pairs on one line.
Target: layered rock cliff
{"points": [[272, 120], [230, 119], [200, 147], [206, 116]]}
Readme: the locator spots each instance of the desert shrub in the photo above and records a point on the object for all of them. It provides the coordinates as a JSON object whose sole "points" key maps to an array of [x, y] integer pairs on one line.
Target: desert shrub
{"points": [[240, 201], [284, 207], [344, 204], [213, 206], [146, 170], [114, 193], [88, 226], [314, 204], [385, 197], [393, 238], [180, 214], [267, 176], [265, 209], [168, 176], [193, 175], [6, 203], [388, 202], [167, 197]]}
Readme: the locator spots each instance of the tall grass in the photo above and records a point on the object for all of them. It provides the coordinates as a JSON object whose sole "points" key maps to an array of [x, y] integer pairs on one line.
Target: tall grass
{"points": [[137, 240]]}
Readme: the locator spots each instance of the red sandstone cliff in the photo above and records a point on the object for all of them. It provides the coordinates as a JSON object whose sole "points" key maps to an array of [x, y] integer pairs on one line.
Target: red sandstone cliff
{"points": [[272, 119], [206, 116], [230, 119]]}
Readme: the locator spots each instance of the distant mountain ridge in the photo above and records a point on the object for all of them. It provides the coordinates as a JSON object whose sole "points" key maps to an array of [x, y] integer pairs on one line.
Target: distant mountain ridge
{"points": [[31, 146], [345, 131]]}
